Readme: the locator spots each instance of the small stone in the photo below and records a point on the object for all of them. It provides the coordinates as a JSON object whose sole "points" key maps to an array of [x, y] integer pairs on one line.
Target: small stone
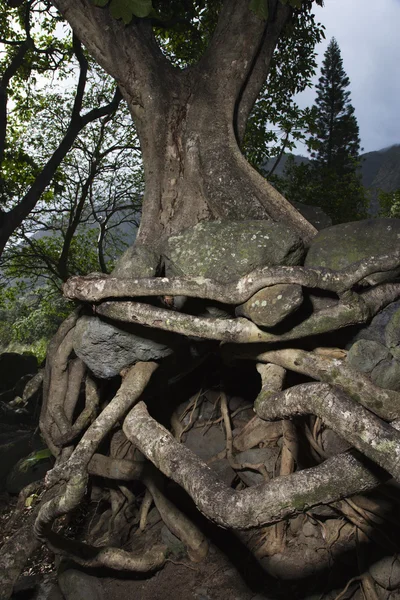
{"points": [[310, 530], [265, 456], [387, 375], [332, 443], [205, 445], [386, 572], [271, 305], [365, 355], [224, 471]]}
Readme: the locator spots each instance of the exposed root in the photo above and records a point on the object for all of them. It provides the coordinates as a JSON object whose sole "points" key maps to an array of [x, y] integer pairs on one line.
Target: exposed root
{"points": [[351, 310], [384, 403], [363, 430], [75, 473], [338, 477], [96, 288]]}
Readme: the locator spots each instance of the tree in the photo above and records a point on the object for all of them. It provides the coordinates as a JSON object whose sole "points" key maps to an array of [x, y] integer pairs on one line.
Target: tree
{"points": [[336, 143], [190, 124], [332, 180], [31, 49]]}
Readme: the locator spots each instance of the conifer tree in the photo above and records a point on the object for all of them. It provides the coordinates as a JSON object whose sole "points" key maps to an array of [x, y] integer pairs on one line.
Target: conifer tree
{"points": [[336, 143], [332, 179]]}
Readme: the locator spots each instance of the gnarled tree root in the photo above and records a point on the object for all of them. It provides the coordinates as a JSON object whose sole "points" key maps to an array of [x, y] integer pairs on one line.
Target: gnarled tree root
{"points": [[373, 437], [94, 288], [384, 403], [352, 310], [267, 503], [75, 473]]}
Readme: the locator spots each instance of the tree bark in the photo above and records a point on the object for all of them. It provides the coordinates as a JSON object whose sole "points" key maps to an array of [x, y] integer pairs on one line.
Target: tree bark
{"points": [[190, 121]]}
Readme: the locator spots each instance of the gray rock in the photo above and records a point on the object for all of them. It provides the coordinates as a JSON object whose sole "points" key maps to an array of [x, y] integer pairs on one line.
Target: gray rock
{"points": [[387, 374], [205, 443], [271, 305], [106, 349], [376, 330], [256, 456], [137, 261], [332, 443], [224, 471], [347, 243], [227, 250], [77, 585], [392, 331], [365, 355], [386, 572]]}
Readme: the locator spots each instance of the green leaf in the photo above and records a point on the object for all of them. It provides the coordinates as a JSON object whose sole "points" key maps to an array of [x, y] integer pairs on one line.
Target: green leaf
{"points": [[260, 8], [34, 458], [101, 2], [127, 9]]}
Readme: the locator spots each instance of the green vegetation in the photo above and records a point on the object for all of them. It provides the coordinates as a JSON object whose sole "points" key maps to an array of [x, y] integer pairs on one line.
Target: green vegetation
{"points": [[331, 180]]}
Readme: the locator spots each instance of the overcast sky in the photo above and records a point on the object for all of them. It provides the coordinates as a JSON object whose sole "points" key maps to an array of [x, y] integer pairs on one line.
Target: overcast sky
{"points": [[368, 34]]}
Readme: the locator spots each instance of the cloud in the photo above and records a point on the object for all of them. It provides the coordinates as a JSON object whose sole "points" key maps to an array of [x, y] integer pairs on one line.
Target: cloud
{"points": [[367, 32]]}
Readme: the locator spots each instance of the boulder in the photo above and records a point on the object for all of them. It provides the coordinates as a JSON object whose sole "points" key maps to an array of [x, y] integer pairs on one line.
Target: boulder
{"points": [[271, 305], [227, 250], [137, 261], [342, 245], [365, 355], [106, 348], [13, 367]]}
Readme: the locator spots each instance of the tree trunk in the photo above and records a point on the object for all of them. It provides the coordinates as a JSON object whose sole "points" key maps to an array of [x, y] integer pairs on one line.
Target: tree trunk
{"points": [[189, 121]]}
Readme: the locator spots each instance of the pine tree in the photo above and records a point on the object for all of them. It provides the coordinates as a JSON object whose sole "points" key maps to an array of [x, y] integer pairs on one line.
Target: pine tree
{"points": [[336, 143], [332, 179]]}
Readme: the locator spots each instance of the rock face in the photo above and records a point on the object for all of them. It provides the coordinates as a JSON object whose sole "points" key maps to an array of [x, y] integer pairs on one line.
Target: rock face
{"points": [[227, 250], [347, 243], [271, 305], [106, 349]]}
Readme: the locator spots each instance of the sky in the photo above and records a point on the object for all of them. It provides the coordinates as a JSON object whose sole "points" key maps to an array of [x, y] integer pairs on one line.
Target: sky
{"points": [[368, 34]]}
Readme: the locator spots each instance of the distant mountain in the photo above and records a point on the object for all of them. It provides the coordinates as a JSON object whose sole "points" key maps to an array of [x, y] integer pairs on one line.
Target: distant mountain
{"points": [[380, 170]]}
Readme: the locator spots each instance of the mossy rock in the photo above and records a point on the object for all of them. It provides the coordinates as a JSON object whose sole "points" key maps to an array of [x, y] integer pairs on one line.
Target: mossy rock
{"points": [[227, 250], [339, 246]]}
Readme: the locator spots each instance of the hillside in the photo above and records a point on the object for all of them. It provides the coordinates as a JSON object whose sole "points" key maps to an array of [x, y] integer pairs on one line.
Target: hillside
{"points": [[380, 170]]}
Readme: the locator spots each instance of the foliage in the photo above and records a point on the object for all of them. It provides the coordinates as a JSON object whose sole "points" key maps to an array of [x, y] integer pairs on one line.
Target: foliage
{"points": [[389, 204], [336, 142], [276, 122], [332, 179]]}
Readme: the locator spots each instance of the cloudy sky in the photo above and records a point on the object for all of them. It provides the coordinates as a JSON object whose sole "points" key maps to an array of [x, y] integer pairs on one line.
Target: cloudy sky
{"points": [[368, 34]]}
